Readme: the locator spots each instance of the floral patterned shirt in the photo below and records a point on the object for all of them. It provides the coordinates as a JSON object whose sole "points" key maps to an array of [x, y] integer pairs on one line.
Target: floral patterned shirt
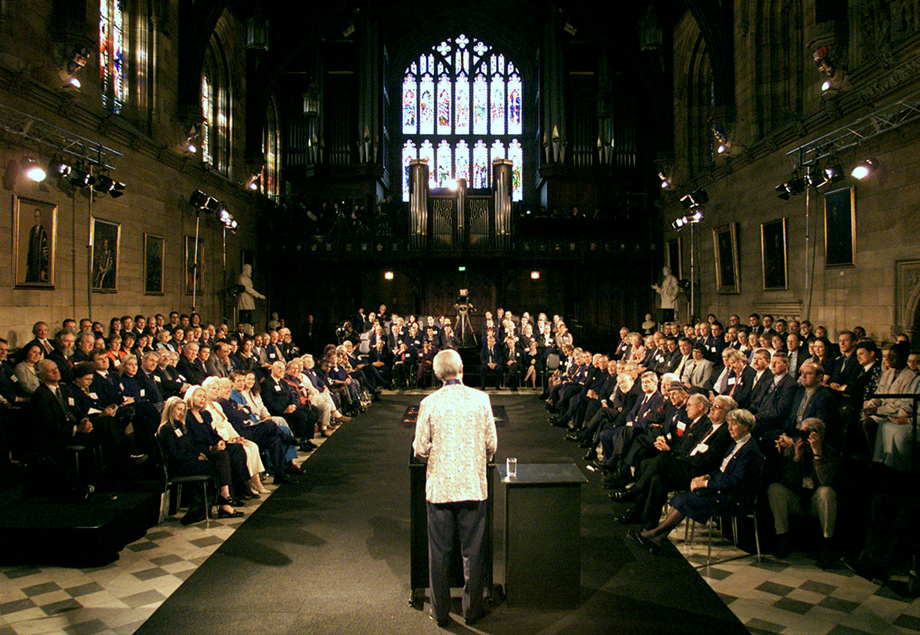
{"points": [[456, 433]]}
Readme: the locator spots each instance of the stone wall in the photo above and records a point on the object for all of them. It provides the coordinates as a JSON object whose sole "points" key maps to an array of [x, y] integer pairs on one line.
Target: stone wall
{"points": [[159, 177]]}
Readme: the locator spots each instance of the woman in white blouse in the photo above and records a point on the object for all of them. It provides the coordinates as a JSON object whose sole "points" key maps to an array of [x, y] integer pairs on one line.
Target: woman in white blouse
{"points": [[221, 425]]}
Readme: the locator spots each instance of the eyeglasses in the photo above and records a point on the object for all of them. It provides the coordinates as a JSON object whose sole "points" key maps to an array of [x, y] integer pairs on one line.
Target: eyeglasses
{"points": [[717, 407]]}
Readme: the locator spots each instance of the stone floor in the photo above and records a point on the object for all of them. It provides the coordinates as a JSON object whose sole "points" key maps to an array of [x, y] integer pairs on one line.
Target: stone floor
{"points": [[792, 596]]}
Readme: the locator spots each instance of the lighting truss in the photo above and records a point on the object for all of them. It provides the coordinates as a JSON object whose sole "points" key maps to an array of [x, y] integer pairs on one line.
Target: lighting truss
{"points": [[27, 127], [883, 120]]}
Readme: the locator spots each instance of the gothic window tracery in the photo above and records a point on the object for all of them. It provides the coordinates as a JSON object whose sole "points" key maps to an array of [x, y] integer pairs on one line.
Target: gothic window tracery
{"points": [[461, 109]]}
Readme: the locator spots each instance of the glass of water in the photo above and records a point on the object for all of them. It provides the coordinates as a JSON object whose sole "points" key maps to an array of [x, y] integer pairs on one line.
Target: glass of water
{"points": [[511, 465]]}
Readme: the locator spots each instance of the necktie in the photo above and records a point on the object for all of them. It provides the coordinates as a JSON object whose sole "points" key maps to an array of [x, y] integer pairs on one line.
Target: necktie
{"points": [[802, 406], [60, 397]]}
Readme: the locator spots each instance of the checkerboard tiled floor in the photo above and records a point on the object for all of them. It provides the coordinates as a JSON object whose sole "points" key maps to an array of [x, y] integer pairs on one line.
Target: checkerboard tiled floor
{"points": [[795, 596], [789, 597], [119, 597]]}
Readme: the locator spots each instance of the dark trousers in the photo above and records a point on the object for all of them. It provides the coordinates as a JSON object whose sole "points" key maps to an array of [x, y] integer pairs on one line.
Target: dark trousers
{"points": [[657, 477], [469, 519], [268, 437]]}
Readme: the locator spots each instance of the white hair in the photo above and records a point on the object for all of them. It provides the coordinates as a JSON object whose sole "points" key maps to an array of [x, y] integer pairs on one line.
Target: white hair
{"points": [[447, 364]]}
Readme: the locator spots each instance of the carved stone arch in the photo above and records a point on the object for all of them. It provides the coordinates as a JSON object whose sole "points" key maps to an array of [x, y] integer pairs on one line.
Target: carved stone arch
{"points": [[699, 107], [716, 23]]}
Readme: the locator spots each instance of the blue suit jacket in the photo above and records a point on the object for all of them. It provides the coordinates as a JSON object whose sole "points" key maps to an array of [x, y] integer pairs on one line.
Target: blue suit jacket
{"points": [[741, 479], [640, 414]]}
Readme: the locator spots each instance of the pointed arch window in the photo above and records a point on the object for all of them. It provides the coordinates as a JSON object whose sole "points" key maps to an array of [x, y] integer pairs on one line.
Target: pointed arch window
{"points": [[271, 150], [216, 108], [462, 108], [112, 54]]}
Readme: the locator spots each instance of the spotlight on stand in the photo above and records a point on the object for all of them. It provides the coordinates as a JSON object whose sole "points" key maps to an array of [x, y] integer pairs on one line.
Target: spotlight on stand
{"points": [[795, 185], [864, 169], [190, 137], [253, 183], [33, 170], [107, 185], [212, 205], [226, 219], [695, 199], [198, 199], [692, 219], [665, 181], [58, 167], [81, 177]]}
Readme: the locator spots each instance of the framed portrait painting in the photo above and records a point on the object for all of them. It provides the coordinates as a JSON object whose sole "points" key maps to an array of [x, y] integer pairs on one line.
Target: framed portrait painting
{"points": [[773, 255], [153, 264], [725, 247], [674, 257], [105, 249], [840, 227], [34, 242], [193, 273]]}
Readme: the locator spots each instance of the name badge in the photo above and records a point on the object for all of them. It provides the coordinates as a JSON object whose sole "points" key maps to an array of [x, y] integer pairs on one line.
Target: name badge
{"points": [[122, 386], [178, 432], [70, 402], [277, 388], [143, 392], [731, 381], [93, 395], [181, 378], [681, 426], [14, 378], [117, 363], [702, 447], [629, 424], [157, 379]]}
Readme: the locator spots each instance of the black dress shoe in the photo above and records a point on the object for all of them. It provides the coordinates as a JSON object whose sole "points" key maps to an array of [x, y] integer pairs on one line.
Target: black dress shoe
{"points": [[281, 478], [193, 515], [624, 495], [225, 514]]}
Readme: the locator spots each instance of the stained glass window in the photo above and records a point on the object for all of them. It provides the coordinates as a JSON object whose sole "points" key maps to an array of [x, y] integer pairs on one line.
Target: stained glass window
{"points": [[516, 154], [481, 176], [462, 87], [207, 119], [271, 147], [445, 165], [112, 53], [462, 162]]}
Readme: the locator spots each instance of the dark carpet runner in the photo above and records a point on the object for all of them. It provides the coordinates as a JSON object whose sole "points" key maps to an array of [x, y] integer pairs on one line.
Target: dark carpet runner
{"points": [[331, 554]]}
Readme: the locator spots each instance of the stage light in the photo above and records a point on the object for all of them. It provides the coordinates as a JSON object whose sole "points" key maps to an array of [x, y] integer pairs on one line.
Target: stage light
{"points": [[461, 269], [782, 191], [665, 181], [387, 275], [826, 86], [212, 205], [81, 177], [224, 216], [253, 183], [73, 82], [33, 170], [695, 199], [534, 275], [58, 168], [198, 199], [864, 169], [190, 137], [697, 217]]}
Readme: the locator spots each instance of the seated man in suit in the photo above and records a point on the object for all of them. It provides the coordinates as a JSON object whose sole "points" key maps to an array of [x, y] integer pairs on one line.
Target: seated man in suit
{"points": [[681, 459], [846, 366], [776, 406], [730, 488], [813, 400], [490, 358], [806, 483], [62, 355], [58, 423], [760, 361], [616, 441], [281, 402]]}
